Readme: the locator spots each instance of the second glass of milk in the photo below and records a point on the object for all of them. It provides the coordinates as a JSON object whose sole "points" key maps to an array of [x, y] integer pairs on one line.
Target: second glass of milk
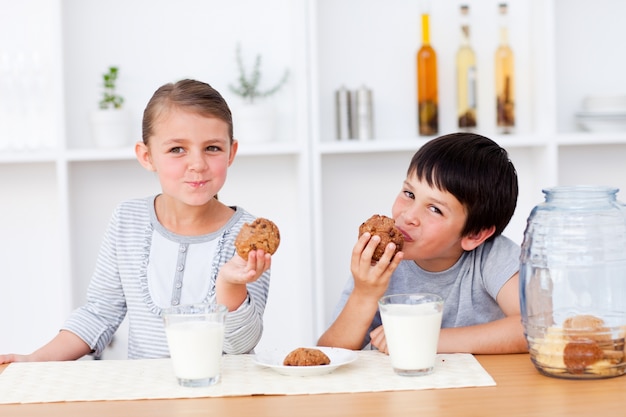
{"points": [[412, 323]]}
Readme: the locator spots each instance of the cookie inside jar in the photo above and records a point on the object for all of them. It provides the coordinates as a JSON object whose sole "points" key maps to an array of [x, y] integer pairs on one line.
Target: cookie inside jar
{"points": [[583, 347]]}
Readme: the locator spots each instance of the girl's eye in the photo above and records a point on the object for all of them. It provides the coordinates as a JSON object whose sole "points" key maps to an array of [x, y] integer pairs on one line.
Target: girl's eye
{"points": [[213, 148], [176, 149]]}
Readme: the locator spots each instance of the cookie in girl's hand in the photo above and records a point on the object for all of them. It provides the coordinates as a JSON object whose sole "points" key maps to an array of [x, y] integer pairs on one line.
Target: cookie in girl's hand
{"points": [[260, 234], [385, 227]]}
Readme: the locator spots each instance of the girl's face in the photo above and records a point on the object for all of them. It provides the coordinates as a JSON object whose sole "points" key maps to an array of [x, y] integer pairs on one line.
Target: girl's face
{"points": [[431, 221], [190, 153]]}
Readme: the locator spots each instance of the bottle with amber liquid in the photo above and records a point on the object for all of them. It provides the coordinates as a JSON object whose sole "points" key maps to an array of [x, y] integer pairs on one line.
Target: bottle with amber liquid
{"points": [[466, 77], [505, 77], [427, 94]]}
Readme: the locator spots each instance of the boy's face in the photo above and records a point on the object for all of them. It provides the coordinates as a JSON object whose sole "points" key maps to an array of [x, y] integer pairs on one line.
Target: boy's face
{"points": [[431, 221]]}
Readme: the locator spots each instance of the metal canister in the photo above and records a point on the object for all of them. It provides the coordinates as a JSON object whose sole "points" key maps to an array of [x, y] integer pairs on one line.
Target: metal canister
{"points": [[343, 113], [364, 115]]}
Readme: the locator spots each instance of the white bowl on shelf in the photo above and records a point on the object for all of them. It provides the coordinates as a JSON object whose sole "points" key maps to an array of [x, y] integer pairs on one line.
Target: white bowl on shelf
{"points": [[602, 121]]}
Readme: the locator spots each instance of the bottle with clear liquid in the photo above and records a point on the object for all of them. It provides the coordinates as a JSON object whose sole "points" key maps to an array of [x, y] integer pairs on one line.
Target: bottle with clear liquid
{"points": [[466, 77], [427, 93], [573, 283], [505, 77]]}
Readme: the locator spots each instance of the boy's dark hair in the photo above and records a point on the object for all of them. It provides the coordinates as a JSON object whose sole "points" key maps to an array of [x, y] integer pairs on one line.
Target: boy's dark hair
{"points": [[477, 171]]}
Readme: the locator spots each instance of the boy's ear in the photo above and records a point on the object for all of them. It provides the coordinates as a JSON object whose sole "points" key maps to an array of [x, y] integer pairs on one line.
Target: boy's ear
{"points": [[472, 241]]}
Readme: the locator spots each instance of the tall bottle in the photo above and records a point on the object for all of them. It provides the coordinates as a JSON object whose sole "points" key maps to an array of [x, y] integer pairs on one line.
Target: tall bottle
{"points": [[427, 94], [505, 77], [466, 77]]}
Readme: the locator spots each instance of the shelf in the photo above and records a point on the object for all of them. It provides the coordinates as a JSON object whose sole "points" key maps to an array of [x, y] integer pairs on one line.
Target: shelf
{"points": [[128, 153], [412, 144], [269, 149], [591, 138], [369, 146], [26, 157], [113, 154]]}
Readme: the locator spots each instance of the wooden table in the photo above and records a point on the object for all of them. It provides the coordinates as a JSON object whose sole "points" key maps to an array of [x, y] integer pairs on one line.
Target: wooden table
{"points": [[520, 391]]}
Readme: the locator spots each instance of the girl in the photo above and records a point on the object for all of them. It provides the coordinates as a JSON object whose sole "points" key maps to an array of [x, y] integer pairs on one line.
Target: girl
{"points": [[173, 248]]}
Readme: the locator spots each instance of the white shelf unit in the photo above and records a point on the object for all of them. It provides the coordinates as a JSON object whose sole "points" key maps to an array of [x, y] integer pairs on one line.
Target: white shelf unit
{"points": [[58, 199], [373, 43]]}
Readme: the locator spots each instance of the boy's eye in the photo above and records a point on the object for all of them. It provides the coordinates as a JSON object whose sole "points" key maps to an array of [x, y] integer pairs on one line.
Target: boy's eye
{"points": [[409, 195], [434, 209]]}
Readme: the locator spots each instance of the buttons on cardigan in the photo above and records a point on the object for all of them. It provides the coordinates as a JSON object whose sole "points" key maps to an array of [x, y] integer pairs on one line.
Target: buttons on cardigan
{"points": [[179, 284]]}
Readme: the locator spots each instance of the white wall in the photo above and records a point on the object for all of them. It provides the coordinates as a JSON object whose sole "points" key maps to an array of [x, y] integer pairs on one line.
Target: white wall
{"points": [[159, 41], [589, 57]]}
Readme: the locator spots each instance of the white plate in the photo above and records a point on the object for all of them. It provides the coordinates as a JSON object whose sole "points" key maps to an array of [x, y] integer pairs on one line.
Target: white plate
{"points": [[274, 359]]}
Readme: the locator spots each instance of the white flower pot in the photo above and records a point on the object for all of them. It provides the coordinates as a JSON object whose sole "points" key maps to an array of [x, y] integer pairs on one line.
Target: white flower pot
{"points": [[110, 128], [254, 122]]}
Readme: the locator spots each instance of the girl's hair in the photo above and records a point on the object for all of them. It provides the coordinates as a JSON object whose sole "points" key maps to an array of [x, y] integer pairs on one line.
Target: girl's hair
{"points": [[191, 95], [477, 171]]}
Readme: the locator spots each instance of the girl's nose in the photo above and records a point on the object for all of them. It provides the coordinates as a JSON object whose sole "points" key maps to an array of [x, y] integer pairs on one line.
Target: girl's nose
{"points": [[197, 162]]}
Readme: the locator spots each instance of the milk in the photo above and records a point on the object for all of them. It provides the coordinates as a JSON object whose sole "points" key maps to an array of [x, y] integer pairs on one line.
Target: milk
{"points": [[412, 334], [195, 348]]}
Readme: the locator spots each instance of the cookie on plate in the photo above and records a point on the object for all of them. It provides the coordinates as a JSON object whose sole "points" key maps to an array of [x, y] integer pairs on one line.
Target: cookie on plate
{"points": [[385, 227], [306, 357], [260, 234]]}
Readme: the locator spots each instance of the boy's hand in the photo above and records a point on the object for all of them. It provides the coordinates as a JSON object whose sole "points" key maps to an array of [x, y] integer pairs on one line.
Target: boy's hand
{"points": [[370, 283], [378, 339], [372, 278]]}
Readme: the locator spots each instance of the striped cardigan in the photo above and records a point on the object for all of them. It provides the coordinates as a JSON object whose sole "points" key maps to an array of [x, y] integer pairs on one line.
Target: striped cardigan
{"points": [[119, 286]]}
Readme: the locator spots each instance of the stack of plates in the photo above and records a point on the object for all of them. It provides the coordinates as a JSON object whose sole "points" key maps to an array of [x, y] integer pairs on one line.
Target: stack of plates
{"points": [[603, 114]]}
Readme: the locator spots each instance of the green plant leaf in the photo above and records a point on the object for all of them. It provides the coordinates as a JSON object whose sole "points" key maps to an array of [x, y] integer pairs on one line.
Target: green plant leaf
{"points": [[248, 85]]}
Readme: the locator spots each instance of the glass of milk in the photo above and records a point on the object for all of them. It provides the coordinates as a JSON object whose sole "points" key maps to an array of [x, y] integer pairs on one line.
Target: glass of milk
{"points": [[195, 335], [412, 323]]}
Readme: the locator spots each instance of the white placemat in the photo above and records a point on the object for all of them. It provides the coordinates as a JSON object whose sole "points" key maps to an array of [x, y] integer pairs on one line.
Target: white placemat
{"points": [[153, 379]]}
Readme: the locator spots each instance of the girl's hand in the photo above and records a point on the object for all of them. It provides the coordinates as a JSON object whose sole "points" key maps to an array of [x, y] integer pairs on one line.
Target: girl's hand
{"points": [[372, 278], [240, 271], [232, 278], [11, 357], [378, 339]]}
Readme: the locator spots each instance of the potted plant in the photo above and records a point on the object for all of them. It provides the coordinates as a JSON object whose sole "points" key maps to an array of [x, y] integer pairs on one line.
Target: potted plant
{"points": [[110, 122], [255, 116]]}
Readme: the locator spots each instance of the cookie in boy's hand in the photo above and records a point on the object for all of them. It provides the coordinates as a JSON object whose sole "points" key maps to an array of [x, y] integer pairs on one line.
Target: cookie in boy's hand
{"points": [[260, 234], [385, 227]]}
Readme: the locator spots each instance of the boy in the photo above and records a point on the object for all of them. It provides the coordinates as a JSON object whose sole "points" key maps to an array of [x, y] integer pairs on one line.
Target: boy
{"points": [[459, 194]]}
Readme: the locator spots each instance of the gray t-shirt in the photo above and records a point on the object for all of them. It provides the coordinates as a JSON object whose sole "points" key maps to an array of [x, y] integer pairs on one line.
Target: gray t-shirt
{"points": [[469, 288]]}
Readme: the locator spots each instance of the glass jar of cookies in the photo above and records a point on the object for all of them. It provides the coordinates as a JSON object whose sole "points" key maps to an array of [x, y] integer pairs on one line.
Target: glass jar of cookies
{"points": [[573, 283]]}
